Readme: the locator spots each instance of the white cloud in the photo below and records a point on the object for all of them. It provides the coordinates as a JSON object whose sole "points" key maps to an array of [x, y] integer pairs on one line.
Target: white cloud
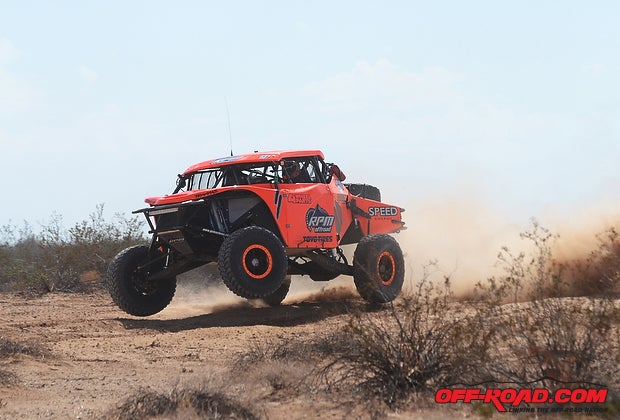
{"points": [[385, 84], [8, 52], [88, 74]]}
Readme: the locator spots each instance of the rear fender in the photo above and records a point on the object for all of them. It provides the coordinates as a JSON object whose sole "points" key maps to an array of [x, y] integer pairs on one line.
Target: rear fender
{"points": [[374, 217]]}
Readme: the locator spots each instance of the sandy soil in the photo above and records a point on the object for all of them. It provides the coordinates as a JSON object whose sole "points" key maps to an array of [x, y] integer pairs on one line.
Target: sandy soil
{"points": [[95, 356]]}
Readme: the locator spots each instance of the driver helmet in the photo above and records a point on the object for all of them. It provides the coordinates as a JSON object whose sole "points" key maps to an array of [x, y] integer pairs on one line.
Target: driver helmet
{"points": [[291, 170]]}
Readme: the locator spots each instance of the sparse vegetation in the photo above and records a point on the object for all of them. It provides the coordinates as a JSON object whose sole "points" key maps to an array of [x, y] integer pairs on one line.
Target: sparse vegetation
{"points": [[59, 259], [518, 330], [418, 344], [180, 403], [543, 322], [544, 334], [10, 348]]}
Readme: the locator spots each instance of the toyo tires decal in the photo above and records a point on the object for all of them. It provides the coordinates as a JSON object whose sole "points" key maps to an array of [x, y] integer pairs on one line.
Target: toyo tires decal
{"points": [[386, 268], [257, 261]]}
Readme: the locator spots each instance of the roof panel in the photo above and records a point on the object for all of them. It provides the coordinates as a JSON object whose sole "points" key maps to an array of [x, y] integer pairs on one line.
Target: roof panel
{"points": [[256, 157]]}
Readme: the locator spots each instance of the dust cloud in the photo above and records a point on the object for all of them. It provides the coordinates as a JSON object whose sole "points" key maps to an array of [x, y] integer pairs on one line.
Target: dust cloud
{"points": [[579, 233], [464, 236], [201, 291]]}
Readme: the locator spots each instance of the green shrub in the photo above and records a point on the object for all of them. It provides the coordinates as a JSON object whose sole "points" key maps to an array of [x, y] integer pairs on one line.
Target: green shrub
{"points": [[57, 259]]}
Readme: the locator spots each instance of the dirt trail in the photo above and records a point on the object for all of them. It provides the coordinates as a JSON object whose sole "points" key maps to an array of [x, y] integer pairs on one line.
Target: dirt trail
{"points": [[95, 356]]}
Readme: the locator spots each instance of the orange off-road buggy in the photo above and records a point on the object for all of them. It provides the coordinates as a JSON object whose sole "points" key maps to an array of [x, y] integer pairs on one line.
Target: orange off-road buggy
{"points": [[262, 217]]}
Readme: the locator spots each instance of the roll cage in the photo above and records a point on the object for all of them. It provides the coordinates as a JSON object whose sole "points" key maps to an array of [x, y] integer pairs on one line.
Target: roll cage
{"points": [[312, 169]]}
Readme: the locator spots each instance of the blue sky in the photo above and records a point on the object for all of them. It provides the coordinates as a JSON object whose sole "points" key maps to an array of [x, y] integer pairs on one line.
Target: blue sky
{"points": [[514, 103]]}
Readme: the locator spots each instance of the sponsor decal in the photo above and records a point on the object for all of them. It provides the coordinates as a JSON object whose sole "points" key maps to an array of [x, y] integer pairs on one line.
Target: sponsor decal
{"points": [[205, 194], [299, 198], [383, 211], [226, 159], [509, 399], [320, 239], [266, 156], [318, 220]]}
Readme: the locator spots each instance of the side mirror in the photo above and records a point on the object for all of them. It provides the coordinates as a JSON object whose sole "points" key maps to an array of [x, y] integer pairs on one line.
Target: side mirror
{"points": [[338, 173]]}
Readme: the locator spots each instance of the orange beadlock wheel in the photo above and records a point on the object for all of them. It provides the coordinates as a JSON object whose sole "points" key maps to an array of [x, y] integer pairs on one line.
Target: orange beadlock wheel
{"points": [[253, 262], [257, 261], [386, 268], [378, 268]]}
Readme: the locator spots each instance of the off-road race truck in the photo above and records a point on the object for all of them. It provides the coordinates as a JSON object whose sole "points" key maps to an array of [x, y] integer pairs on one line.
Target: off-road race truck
{"points": [[262, 217]]}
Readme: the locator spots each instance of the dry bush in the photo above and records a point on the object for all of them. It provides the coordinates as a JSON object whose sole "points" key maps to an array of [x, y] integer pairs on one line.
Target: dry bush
{"points": [[180, 403], [598, 274], [517, 330], [419, 344], [10, 348], [7, 379], [544, 337], [56, 258], [284, 369], [19, 252]]}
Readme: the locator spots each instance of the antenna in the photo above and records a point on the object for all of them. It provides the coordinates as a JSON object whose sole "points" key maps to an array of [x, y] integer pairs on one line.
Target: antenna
{"points": [[229, 130]]}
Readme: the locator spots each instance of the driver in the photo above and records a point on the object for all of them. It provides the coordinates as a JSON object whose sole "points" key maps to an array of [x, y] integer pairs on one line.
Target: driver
{"points": [[291, 171]]}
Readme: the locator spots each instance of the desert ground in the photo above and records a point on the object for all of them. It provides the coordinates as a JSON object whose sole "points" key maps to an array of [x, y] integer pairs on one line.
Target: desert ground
{"points": [[82, 357]]}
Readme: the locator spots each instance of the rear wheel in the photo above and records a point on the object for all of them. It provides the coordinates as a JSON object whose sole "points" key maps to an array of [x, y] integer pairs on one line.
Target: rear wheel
{"points": [[130, 286], [378, 268], [252, 262]]}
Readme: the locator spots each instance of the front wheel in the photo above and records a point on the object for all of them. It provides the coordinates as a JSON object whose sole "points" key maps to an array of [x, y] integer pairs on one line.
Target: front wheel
{"points": [[130, 286], [252, 262], [378, 268]]}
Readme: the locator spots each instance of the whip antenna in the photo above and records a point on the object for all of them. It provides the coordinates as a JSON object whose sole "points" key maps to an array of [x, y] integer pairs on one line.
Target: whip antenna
{"points": [[229, 130]]}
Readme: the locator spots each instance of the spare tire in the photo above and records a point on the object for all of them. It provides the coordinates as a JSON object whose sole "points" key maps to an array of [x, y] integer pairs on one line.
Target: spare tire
{"points": [[364, 191]]}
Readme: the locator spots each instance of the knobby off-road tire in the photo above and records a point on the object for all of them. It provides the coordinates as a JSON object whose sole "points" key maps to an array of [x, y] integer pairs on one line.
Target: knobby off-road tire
{"points": [[252, 262], [276, 298], [378, 268], [364, 191], [129, 286]]}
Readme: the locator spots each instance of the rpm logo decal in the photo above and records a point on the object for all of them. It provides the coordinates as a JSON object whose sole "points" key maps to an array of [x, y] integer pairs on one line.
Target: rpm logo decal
{"points": [[318, 220]]}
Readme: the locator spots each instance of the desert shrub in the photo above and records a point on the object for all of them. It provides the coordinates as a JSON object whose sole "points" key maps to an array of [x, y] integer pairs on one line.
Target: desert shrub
{"points": [[286, 368], [56, 258], [183, 402], [597, 274], [418, 344], [544, 336], [518, 329], [9, 348], [19, 252]]}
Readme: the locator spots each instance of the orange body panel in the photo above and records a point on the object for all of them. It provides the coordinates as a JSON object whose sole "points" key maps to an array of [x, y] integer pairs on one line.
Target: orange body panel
{"points": [[308, 215]]}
